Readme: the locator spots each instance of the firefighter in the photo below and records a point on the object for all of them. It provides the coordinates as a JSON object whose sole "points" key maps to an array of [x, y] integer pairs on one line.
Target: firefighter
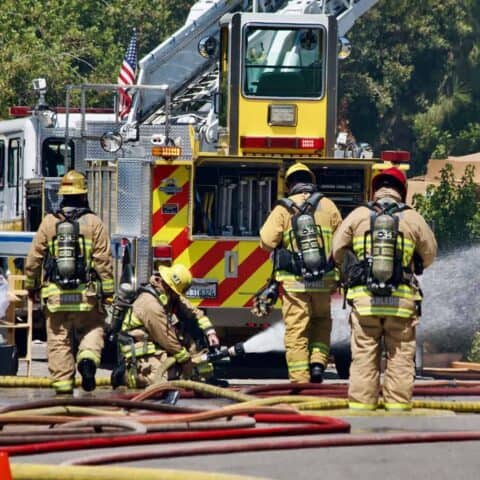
{"points": [[73, 248], [305, 273], [163, 336], [382, 246]]}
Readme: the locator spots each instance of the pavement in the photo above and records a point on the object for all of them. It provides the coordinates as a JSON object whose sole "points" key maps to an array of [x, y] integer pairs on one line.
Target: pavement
{"points": [[436, 461]]}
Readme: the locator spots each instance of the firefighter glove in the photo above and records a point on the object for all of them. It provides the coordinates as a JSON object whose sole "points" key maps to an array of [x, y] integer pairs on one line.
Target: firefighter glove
{"points": [[265, 299]]}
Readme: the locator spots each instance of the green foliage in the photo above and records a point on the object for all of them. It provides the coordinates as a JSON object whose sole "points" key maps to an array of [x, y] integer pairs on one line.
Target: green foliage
{"points": [[473, 354], [413, 79], [75, 41], [452, 208]]}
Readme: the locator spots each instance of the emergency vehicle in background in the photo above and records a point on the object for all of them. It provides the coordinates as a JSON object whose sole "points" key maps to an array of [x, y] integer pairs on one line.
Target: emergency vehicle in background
{"points": [[221, 109]]}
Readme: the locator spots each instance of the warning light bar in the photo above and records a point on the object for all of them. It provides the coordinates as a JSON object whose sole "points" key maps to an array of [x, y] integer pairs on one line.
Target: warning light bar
{"points": [[395, 156], [169, 151], [282, 143]]}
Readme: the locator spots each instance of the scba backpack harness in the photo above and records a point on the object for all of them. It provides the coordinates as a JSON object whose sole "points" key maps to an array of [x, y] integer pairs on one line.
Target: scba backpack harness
{"points": [[66, 264], [309, 258], [384, 269], [381, 270]]}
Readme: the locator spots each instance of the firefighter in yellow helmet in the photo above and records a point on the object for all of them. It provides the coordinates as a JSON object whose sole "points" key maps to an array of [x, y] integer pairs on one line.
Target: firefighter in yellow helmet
{"points": [[73, 248], [299, 230], [164, 336], [380, 247]]}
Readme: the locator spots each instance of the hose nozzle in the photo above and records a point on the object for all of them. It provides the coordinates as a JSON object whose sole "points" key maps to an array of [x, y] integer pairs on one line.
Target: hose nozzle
{"points": [[219, 353], [237, 350]]}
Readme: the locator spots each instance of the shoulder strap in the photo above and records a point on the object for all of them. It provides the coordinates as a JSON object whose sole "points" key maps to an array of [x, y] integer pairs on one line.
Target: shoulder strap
{"points": [[73, 214], [147, 288], [288, 203], [312, 201], [389, 209]]}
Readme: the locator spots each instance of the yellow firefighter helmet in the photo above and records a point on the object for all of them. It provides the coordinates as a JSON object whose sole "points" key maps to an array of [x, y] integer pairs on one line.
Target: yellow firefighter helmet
{"points": [[299, 167], [73, 183], [177, 277]]}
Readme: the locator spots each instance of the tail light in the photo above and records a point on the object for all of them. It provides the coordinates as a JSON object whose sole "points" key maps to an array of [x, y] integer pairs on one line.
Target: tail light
{"points": [[162, 255]]}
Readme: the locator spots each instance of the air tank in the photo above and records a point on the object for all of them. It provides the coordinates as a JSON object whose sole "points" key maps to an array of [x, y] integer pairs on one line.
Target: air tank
{"points": [[383, 248], [307, 237], [67, 238]]}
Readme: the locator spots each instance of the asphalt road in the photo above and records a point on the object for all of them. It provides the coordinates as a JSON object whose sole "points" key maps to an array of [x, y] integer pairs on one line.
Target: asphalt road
{"points": [[436, 461]]}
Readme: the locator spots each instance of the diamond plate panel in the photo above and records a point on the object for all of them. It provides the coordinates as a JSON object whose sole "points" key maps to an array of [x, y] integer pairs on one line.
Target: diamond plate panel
{"points": [[134, 197]]}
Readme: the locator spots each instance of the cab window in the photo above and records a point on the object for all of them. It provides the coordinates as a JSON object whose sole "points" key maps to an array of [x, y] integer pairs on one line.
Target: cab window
{"points": [[53, 157], [283, 62], [13, 162], [2, 164]]}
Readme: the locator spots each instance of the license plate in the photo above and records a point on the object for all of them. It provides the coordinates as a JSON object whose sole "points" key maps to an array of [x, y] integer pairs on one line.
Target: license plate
{"points": [[202, 289]]}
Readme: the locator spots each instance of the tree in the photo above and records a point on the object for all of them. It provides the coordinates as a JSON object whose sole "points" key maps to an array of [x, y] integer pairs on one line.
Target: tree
{"points": [[413, 79], [73, 41], [452, 208]]}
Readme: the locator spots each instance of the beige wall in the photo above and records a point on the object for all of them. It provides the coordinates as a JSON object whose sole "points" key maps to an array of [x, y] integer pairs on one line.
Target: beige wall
{"points": [[433, 175]]}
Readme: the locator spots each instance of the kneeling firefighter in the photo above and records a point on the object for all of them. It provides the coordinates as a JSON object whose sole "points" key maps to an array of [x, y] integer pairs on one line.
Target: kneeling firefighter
{"points": [[299, 232], [73, 247], [381, 246], [163, 336]]}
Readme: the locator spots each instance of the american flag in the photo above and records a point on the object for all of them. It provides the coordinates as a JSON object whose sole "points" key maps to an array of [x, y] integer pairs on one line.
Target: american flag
{"points": [[127, 76]]}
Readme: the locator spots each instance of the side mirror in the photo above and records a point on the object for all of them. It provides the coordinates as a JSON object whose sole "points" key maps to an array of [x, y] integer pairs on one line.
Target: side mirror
{"points": [[208, 47], [111, 142], [344, 48]]}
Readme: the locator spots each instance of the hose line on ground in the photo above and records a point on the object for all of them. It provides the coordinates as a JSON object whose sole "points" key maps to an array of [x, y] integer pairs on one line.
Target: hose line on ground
{"points": [[340, 440], [44, 382], [289, 424], [52, 472]]}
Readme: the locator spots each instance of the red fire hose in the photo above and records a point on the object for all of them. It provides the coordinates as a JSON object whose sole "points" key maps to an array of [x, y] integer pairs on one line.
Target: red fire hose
{"points": [[308, 424]]}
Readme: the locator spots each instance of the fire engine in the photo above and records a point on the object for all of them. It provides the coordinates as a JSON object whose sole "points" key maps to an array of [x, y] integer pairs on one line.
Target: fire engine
{"points": [[221, 109]]}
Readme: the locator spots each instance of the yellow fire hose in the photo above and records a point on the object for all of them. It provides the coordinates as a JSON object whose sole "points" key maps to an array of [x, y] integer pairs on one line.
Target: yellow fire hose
{"points": [[43, 382], [454, 406], [52, 472]]}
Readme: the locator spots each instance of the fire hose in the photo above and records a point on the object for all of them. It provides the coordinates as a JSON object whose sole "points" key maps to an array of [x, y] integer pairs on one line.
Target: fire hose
{"points": [[255, 407]]}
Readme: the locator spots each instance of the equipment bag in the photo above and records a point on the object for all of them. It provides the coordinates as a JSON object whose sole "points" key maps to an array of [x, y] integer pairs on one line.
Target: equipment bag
{"points": [[383, 265], [309, 258], [66, 264]]}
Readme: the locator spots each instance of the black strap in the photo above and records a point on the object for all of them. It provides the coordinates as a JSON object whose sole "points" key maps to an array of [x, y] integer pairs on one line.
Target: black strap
{"points": [[148, 288], [311, 202], [392, 208], [72, 215]]}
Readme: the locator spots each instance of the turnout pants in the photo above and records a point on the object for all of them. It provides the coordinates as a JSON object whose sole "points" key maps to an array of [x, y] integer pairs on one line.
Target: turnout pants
{"points": [[366, 341], [158, 368], [308, 324], [88, 328]]}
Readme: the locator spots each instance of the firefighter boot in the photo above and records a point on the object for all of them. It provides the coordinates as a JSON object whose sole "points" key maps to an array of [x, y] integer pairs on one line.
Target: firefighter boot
{"points": [[316, 372], [87, 370]]}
